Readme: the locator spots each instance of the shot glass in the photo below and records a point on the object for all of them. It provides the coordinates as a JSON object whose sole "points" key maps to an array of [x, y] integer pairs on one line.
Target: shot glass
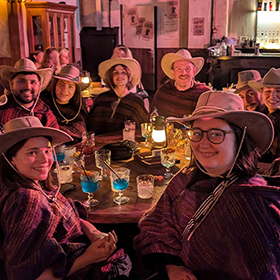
{"points": [[65, 172], [145, 186], [129, 130]]}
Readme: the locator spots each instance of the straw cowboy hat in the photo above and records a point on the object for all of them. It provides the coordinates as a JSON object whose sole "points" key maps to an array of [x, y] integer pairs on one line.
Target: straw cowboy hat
{"points": [[229, 107], [19, 129], [71, 74], [130, 63], [24, 65], [244, 77], [168, 60], [270, 79]]}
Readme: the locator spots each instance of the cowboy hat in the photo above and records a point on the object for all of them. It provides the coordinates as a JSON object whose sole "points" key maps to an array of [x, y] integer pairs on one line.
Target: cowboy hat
{"points": [[270, 79], [229, 107], [244, 77], [24, 65], [168, 60], [19, 129], [130, 63], [71, 74]]}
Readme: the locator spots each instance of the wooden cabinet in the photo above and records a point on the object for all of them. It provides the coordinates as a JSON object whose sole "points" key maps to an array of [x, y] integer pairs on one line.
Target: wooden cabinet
{"points": [[51, 25]]}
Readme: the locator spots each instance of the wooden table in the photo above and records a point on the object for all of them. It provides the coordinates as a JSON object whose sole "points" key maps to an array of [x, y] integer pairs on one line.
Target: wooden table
{"points": [[108, 212]]}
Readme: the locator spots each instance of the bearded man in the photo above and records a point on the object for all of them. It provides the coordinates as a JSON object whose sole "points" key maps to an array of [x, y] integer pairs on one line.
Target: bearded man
{"points": [[178, 96], [23, 84]]}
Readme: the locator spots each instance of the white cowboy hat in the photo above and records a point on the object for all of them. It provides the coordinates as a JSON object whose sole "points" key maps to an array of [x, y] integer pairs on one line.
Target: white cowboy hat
{"points": [[130, 63], [71, 74], [270, 79], [24, 65], [169, 58], [229, 107], [19, 129], [244, 77]]}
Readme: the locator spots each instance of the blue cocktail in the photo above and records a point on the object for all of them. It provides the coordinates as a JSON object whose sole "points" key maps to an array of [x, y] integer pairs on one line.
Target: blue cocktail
{"points": [[89, 183], [120, 182]]}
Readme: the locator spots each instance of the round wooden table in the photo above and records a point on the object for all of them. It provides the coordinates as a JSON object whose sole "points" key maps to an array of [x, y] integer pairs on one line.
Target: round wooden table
{"points": [[108, 212]]}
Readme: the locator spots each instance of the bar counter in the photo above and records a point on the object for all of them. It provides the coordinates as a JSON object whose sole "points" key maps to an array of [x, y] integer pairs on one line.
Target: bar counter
{"points": [[224, 69]]}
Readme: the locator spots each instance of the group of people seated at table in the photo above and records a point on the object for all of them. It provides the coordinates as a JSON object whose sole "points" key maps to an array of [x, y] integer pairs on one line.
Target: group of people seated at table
{"points": [[217, 219]]}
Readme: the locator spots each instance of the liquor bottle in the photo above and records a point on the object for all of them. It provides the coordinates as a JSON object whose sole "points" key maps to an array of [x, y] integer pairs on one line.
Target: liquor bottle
{"points": [[270, 6], [260, 5], [265, 6], [277, 5]]}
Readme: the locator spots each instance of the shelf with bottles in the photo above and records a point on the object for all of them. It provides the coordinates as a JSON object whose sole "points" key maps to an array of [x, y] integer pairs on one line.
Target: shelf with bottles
{"points": [[268, 5]]}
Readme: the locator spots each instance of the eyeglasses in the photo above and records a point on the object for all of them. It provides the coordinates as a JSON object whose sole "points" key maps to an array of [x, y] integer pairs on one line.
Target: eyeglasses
{"points": [[215, 136]]}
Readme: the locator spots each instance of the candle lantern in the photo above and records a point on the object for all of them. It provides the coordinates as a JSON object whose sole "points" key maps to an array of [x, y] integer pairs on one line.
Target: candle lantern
{"points": [[159, 139]]}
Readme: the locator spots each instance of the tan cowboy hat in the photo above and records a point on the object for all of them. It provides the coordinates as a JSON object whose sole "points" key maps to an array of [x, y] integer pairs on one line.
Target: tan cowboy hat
{"points": [[229, 107], [270, 79], [19, 129], [71, 74], [130, 63], [168, 60], [244, 77], [24, 65]]}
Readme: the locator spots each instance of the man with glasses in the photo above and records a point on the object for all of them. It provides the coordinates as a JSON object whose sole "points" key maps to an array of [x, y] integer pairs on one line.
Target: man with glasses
{"points": [[178, 96], [269, 86]]}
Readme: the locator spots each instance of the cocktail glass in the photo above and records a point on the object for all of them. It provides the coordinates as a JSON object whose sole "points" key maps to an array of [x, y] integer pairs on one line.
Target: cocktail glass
{"points": [[102, 155], [167, 157], [120, 183], [89, 182], [146, 131]]}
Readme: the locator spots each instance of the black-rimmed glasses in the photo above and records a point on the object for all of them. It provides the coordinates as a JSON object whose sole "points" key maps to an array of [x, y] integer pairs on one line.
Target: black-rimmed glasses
{"points": [[215, 136]]}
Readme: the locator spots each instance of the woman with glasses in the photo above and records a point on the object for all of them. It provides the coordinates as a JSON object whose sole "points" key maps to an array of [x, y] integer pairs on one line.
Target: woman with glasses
{"points": [[218, 219], [110, 109]]}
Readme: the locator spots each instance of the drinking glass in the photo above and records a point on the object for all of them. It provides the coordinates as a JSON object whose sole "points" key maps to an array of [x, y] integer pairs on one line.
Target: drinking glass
{"points": [[89, 183], [146, 131], [102, 155], [120, 183], [88, 143], [145, 185], [59, 152], [167, 157], [129, 130]]}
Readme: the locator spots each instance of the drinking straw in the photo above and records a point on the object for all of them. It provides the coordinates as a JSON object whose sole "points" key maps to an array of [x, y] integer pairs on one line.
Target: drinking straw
{"points": [[105, 162], [85, 172]]}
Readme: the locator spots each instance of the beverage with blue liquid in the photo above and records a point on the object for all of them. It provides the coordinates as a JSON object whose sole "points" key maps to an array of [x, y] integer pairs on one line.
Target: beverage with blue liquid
{"points": [[120, 184], [89, 186], [89, 183]]}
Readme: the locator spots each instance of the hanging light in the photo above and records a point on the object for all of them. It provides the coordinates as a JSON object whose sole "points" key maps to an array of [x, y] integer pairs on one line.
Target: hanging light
{"points": [[159, 132]]}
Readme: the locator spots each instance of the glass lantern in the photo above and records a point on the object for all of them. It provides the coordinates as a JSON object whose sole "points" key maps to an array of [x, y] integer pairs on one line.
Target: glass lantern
{"points": [[159, 137]]}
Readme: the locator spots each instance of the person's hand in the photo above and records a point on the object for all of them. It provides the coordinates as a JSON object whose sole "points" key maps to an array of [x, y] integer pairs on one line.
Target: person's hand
{"points": [[101, 249], [179, 273]]}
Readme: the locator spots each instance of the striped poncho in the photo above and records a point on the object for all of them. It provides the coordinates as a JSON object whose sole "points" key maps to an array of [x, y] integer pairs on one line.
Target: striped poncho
{"points": [[171, 102], [36, 234], [109, 112], [239, 239]]}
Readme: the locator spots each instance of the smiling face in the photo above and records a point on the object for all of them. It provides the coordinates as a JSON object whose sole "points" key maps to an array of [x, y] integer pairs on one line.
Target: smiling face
{"points": [[215, 158], [34, 159], [64, 91], [251, 98], [183, 72], [271, 98], [120, 76], [25, 88]]}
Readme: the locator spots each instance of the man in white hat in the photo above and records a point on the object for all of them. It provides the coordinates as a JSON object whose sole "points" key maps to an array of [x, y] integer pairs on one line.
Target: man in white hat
{"points": [[269, 87], [178, 96], [252, 99], [23, 84]]}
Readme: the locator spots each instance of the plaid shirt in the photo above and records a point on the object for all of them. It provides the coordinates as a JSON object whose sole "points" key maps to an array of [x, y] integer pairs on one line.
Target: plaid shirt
{"points": [[11, 110], [37, 234]]}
